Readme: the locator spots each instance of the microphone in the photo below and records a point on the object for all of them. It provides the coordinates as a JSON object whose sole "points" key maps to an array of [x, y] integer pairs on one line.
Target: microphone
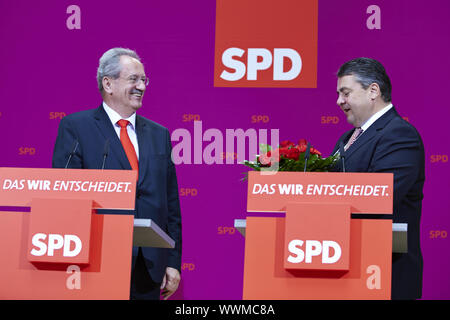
{"points": [[74, 148], [342, 152], [307, 152], [105, 152]]}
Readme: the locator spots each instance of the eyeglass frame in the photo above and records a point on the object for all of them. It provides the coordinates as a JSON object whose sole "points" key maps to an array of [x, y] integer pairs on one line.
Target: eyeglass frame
{"points": [[144, 79]]}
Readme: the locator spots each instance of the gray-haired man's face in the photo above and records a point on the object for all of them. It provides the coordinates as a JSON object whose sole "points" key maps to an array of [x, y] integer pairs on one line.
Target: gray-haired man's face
{"points": [[127, 91]]}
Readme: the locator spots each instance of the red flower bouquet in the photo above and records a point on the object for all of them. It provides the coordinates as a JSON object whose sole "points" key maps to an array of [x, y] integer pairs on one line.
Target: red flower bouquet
{"points": [[291, 157]]}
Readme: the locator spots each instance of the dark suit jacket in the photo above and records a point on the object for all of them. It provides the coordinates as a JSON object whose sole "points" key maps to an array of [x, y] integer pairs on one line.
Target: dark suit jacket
{"points": [[157, 189], [391, 144]]}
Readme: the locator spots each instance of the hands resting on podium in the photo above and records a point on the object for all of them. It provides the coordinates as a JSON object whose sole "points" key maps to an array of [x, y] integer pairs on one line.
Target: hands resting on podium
{"points": [[170, 282]]}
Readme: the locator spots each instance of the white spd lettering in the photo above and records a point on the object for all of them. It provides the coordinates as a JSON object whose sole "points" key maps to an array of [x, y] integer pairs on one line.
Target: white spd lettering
{"points": [[55, 242], [313, 248], [259, 59]]}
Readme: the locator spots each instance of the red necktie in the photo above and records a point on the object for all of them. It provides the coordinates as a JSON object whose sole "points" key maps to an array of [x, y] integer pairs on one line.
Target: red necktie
{"points": [[127, 145]]}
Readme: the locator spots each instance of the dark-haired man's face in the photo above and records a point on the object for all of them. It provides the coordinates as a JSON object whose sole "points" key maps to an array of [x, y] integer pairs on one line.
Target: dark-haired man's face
{"points": [[356, 102]]}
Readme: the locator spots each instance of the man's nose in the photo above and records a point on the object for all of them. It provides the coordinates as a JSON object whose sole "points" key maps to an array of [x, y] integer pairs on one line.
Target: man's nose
{"points": [[141, 85], [340, 100]]}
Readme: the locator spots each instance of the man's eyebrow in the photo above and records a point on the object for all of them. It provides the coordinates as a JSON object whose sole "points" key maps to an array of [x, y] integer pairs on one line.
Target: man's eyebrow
{"points": [[342, 89]]}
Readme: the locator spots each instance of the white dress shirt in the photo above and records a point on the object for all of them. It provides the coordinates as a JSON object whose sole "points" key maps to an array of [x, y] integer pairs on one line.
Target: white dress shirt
{"points": [[375, 117], [131, 128]]}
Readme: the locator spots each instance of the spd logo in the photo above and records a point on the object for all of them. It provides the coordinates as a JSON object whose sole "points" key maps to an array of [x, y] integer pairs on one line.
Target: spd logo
{"points": [[60, 238], [319, 238], [266, 43]]}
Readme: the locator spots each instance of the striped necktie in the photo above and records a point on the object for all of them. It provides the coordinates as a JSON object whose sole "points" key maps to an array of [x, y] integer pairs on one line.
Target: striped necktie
{"points": [[353, 138]]}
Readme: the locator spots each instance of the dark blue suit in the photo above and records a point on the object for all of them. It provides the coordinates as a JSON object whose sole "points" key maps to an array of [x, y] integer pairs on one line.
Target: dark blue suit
{"points": [[391, 144], [157, 189]]}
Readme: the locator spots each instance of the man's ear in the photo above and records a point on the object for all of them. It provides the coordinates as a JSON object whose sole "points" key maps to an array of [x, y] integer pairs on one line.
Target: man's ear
{"points": [[374, 91], [107, 85]]}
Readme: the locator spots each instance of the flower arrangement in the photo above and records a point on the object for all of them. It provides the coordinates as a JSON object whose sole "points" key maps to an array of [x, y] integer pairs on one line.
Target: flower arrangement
{"points": [[291, 157]]}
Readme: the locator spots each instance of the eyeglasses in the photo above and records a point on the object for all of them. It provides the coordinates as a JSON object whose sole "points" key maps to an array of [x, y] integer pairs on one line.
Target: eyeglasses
{"points": [[134, 79]]}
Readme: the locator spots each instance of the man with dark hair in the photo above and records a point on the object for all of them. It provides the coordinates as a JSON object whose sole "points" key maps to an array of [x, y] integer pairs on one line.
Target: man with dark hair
{"points": [[135, 143], [382, 141]]}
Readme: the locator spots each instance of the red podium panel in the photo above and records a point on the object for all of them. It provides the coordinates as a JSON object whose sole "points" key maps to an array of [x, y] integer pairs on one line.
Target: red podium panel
{"points": [[311, 248], [62, 237], [62, 249], [317, 251], [369, 275], [106, 277]]}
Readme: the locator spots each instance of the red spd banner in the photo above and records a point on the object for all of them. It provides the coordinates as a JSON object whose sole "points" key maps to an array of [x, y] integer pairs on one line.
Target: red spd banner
{"points": [[266, 43]]}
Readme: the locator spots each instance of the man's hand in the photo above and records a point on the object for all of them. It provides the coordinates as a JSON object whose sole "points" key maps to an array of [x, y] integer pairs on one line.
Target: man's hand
{"points": [[170, 282]]}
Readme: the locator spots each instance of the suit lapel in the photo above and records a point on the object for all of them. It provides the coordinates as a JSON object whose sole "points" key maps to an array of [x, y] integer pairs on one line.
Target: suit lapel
{"points": [[143, 137], [115, 146], [371, 131]]}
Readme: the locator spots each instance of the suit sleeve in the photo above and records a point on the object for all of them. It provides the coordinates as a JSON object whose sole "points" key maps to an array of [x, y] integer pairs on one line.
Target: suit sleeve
{"points": [[63, 147], [400, 152], [174, 221]]}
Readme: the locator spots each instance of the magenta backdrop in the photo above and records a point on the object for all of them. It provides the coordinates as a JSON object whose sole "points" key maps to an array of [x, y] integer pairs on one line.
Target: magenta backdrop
{"points": [[49, 69]]}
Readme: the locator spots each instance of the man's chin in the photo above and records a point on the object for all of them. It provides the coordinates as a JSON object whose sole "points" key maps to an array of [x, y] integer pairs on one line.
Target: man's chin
{"points": [[137, 106], [350, 120]]}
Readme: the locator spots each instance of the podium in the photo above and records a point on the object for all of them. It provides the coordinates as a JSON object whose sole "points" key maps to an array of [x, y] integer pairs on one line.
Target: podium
{"points": [[307, 241], [61, 248]]}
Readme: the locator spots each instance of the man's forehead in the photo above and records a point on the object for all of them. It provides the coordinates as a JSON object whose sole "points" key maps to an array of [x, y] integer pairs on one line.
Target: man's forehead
{"points": [[128, 59], [131, 64], [347, 83]]}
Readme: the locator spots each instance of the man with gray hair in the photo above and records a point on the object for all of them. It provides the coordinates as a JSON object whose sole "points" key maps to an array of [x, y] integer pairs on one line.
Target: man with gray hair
{"points": [[135, 143], [382, 141]]}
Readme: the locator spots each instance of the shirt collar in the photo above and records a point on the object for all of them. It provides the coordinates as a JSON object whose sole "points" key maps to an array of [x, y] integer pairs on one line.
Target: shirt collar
{"points": [[114, 116], [375, 117]]}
